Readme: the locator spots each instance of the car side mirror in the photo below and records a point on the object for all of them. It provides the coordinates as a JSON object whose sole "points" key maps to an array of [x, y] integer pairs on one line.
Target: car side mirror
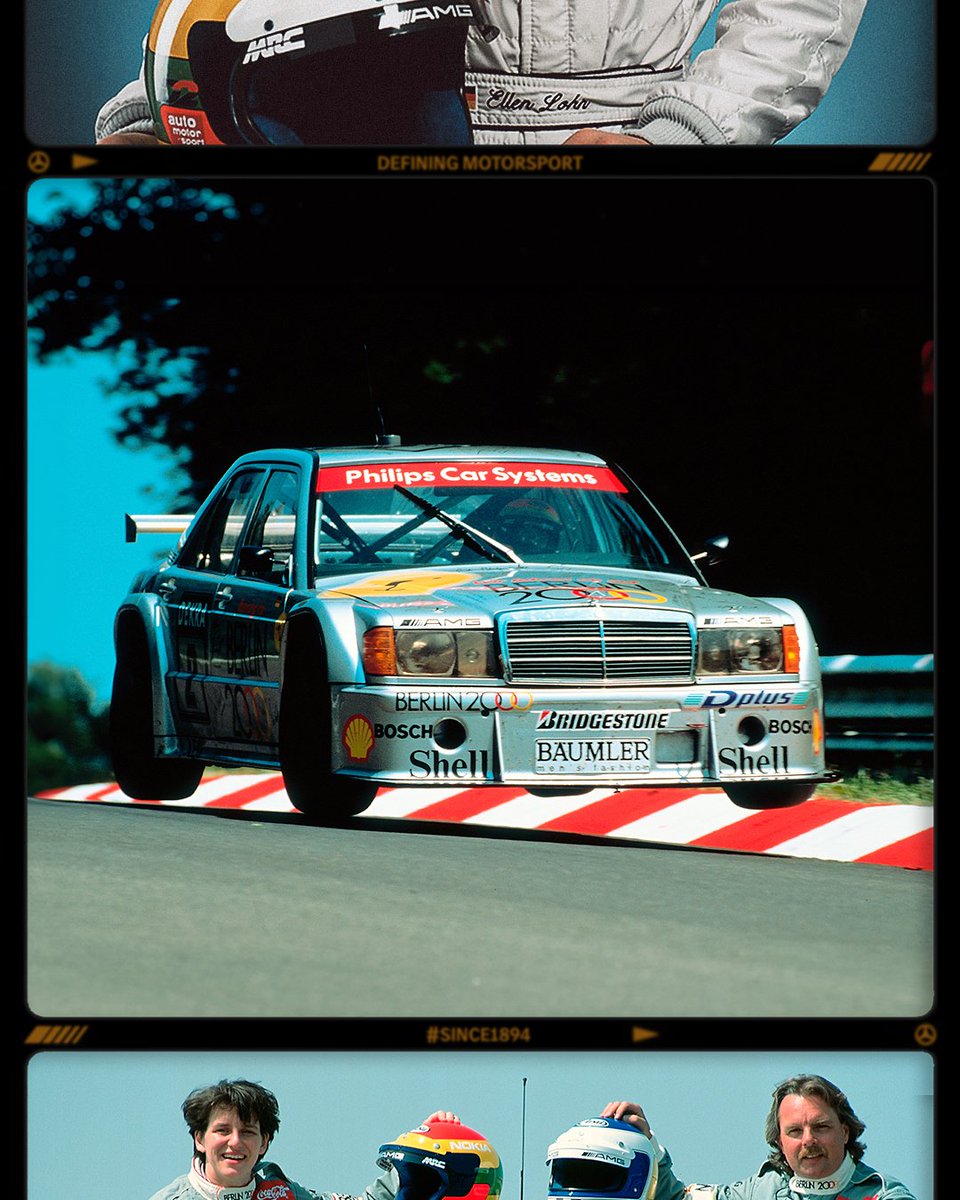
{"points": [[714, 550], [259, 562]]}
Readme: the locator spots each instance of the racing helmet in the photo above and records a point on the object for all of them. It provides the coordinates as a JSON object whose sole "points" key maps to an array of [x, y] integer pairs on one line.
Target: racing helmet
{"points": [[531, 526], [309, 72], [599, 1159], [443, 1158]]}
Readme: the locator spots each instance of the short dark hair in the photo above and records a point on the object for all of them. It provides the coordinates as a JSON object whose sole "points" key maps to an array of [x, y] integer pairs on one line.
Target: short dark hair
{"points": [[813, 1085], [251, 1101]]}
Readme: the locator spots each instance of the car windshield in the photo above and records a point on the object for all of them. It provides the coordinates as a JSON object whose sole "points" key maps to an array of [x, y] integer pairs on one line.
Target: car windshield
{"points": [[427, 514]]}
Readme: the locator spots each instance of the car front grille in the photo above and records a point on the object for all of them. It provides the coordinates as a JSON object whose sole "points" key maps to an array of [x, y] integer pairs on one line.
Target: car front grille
{"points": [[604, 651]]}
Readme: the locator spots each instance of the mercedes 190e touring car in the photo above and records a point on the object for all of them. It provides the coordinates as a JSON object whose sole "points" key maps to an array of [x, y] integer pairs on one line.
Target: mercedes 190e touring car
{"points": [[452, 616]]}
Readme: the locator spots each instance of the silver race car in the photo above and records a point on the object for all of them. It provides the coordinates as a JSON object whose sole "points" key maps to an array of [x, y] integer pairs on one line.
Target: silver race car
{"points": [[458, 617]]}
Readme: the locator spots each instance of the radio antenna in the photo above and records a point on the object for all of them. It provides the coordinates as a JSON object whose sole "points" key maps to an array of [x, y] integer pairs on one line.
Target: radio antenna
{"points": [[383, 438], [373, 403], [523, 1129]]}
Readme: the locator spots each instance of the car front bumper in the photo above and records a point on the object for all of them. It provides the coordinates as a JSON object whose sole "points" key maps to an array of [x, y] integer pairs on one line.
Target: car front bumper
{"points": [[447, 734]]}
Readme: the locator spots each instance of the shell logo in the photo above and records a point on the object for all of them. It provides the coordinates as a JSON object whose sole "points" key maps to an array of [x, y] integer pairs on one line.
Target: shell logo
{"points": [[357, 738]]}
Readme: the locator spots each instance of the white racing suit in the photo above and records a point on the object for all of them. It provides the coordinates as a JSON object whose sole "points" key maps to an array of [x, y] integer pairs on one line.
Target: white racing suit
{"points": [[268, 1183], [624, 66]]}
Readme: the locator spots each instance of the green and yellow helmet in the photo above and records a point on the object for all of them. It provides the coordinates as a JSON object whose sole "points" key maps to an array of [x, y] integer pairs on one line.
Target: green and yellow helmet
{"points": [[309, 72], [443, 1158]]}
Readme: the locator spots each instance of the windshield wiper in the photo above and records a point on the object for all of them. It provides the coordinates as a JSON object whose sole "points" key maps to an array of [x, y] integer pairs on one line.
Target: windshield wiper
{"points": [[481, 542]]}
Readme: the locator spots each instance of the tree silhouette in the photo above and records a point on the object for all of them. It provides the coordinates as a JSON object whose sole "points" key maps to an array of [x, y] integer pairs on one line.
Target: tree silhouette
{"points": [[244, 316], [752, 370], [67, 734]]}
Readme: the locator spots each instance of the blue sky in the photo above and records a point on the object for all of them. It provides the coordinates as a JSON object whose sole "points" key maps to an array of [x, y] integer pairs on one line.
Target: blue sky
{"points": [[80, 483], [97, 1116]]}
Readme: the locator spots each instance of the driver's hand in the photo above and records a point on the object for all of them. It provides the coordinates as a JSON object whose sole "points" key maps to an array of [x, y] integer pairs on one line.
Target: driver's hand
{"points": [[129, 139], [596, 137], [626, 1110]]}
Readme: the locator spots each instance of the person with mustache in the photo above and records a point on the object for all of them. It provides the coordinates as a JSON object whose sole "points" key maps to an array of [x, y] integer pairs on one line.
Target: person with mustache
{"points": [[815, 1150]]}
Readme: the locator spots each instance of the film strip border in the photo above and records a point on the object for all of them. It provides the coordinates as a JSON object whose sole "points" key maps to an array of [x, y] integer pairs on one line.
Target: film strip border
{"points": [[56, 1035], [39, 162], [901, 160], [456, 1034]]}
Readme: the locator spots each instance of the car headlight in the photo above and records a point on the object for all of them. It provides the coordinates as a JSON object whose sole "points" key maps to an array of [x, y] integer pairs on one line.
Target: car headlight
{"points": [[428, 652], [753, 650]]}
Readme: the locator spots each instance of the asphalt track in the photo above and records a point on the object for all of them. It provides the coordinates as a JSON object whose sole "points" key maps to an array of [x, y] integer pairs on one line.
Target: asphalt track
{"points": [[153, 912]]}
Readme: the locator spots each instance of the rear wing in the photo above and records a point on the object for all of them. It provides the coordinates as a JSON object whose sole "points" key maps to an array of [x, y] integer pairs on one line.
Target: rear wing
{"points": [[277, 532], [136, 523]]}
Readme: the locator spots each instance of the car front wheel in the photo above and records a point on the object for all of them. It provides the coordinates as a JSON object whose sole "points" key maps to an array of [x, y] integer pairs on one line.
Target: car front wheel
{"points": [[140, 774], [305, 718], [769, 795]]}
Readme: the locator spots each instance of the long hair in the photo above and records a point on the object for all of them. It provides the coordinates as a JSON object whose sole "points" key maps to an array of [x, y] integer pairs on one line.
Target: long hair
{"points": [[812, 1085]]}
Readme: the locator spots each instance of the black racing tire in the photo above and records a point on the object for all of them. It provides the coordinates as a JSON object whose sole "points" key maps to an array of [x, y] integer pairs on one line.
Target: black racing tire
{"points": [[304, 727], [769, 795], [137, 770], [550, 793]]}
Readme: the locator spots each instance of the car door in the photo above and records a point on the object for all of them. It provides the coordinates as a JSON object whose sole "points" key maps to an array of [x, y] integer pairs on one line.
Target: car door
{"points": [[188, 597], [246, 621]]}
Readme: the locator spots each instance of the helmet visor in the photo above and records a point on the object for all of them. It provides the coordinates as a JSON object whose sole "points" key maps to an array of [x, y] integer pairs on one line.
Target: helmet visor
{"points": [[590, 1176], [420, 1183], [357, 80], [453, 1174]]}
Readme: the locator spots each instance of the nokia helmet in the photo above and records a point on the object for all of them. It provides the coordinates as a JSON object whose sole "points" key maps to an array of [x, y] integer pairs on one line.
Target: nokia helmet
{"points": [[309, 72], [443, 1159], [601, 1158]]}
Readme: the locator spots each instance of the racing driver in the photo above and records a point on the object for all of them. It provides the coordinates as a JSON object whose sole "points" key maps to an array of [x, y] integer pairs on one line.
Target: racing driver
{"points": [[815, 1151], [620, 71], [232, 1123]]}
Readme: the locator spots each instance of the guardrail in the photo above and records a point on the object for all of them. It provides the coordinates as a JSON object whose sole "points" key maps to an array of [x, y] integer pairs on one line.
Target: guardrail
{"points": [[879, 703]]}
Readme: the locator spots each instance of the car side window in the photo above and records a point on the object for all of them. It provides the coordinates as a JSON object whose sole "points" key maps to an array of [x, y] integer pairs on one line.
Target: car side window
{"points": [[211, 545], [267, 551]]}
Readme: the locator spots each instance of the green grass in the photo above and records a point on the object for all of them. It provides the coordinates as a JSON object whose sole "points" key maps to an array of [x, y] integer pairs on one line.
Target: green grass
{"points": [[870, 786]]}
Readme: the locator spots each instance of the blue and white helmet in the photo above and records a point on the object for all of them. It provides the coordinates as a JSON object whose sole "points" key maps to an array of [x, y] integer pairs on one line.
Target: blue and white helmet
{"points": [[599, 1159]]}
